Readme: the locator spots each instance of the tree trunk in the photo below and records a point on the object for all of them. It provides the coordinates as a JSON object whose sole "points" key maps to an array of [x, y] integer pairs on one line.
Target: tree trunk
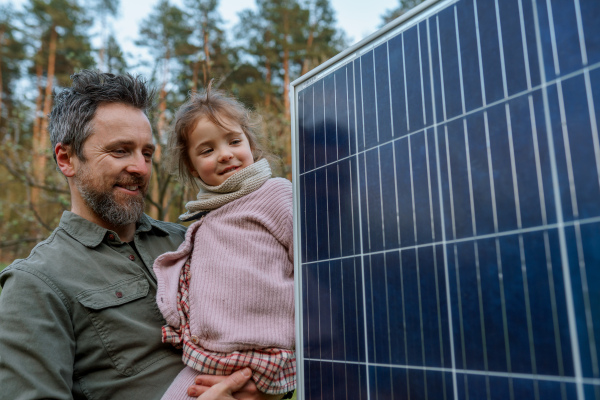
{"points": [[40, 146], [306, 61], [49, 82], [102, 54], [38, 102], [1, 87], [195, 66], [206, 49], [269, 73], [286, 68], [157, 211], [286, 83]]}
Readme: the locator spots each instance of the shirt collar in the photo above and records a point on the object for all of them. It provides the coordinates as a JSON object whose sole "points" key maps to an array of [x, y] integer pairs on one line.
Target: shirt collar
{"points": [[91, 235]]}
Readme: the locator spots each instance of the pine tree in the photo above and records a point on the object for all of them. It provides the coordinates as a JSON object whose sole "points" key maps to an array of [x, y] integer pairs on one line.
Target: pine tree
{"points": [[166, 33], [208, 38], [115, 59], [57, 32], [105, 9], [12, 54]]}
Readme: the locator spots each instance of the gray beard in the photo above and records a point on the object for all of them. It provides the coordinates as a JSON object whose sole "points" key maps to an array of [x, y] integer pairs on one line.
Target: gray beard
{"points": [[109, 210], [106, 207]]}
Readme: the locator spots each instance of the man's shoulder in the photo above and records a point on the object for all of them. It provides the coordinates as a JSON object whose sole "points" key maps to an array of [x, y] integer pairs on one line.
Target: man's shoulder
{"points": [[39, 262], [42, 251]]}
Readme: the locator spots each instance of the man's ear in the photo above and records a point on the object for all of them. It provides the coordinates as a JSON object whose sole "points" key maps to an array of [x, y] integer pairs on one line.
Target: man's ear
{"points": [[64, 160]]}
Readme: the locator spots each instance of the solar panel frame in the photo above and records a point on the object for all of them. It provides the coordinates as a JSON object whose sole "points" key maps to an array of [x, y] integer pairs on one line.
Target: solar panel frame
{"points": [[473, 227]]}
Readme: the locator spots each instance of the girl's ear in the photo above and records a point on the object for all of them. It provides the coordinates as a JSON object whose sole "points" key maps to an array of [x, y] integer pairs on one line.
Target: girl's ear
{"points": [[191, 169]]}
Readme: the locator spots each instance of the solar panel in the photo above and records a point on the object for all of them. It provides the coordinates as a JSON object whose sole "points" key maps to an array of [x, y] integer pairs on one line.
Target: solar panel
{"points": [[447, 207]]}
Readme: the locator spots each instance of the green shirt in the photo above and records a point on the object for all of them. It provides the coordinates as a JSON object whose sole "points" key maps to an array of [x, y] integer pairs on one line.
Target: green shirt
{"points": [[78, 318]]}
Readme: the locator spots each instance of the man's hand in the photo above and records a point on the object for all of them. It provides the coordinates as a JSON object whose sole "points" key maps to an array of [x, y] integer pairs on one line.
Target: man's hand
{"points": [[235, 386]]}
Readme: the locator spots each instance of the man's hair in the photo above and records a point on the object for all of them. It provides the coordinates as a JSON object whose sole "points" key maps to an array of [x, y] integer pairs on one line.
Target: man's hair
{"points": [[70, 121], [219, 107]]}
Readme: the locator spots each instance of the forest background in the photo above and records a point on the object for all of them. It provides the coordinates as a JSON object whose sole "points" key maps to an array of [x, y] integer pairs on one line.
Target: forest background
{"points": [[43, 42]]}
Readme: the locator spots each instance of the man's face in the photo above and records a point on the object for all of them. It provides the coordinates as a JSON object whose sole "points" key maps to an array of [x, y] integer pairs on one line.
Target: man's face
{"points": [[113, 180]]}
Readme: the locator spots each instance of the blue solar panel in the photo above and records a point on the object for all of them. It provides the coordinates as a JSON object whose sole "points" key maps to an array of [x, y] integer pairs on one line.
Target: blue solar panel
{"points": [[447, 207]]}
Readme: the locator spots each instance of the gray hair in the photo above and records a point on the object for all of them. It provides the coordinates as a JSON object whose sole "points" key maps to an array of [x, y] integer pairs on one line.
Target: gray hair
{"points": [[75, 107]]}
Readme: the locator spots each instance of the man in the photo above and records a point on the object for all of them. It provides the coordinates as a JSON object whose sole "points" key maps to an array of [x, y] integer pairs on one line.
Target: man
{"points": [[78, 318]]}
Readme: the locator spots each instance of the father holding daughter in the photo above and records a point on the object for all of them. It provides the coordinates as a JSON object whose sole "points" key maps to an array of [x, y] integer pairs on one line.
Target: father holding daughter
{"points": [[79, 318]]}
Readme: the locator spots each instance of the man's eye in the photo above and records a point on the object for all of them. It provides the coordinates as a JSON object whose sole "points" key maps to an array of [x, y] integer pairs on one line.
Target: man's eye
{"points": [[119, 151]]}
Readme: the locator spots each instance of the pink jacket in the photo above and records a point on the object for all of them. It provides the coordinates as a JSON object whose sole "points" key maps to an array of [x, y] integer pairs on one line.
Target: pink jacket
{"points": [[242, 273]]}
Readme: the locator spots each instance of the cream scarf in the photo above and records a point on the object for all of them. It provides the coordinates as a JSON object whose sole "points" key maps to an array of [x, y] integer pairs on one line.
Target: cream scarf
{"points": [[237, 185]]}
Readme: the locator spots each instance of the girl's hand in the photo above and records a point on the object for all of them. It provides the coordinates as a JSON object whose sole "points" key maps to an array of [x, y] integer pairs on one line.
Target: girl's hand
{"points": [[235, 386]]}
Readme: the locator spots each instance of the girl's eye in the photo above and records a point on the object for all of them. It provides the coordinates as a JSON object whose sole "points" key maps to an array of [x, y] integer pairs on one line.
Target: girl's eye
{"points": [[205, 152], [236, 141]]}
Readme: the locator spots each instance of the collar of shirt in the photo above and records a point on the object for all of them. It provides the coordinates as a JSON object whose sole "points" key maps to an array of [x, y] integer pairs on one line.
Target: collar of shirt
{"points": [[91, 235]]}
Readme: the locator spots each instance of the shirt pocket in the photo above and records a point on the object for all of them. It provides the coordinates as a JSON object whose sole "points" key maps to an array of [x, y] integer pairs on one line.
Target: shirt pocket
{"points": [[127, 322]]}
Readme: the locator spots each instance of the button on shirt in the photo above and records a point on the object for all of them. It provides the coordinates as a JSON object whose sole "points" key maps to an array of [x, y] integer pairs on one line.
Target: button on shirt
{"points": [[79, 318]]}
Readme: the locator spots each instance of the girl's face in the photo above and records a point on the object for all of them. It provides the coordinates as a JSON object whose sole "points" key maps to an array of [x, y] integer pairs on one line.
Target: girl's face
{"points": [[216, 153]]}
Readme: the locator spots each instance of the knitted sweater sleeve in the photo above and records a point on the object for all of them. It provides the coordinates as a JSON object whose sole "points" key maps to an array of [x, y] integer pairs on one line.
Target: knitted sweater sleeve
{"points": [[167, 268], [280, 209]]}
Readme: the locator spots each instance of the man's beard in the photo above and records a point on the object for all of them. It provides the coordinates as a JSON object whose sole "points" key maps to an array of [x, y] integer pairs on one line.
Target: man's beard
{"points": [[104, 202]]}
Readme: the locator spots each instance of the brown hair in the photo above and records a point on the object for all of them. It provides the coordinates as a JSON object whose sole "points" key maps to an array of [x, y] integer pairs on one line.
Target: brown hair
{"points": [[215, 105]]}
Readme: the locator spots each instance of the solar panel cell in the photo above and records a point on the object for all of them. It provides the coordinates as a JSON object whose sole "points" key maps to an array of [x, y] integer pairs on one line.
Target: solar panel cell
{"points": [[397, 87], [333, 211], [589, 15], [512, 46], [382, 85], [354, 334], [388, 197]]}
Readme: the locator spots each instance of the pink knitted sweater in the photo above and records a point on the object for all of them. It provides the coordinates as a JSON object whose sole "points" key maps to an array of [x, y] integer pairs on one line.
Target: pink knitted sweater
{"points": [[242, 273]]}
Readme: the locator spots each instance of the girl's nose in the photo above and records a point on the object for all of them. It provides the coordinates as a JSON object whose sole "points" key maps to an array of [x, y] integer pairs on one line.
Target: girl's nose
{"points": [[225, 156]]}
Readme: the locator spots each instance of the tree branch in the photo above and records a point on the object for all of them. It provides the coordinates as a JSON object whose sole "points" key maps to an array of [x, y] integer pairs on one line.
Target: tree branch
{"points": [[22, 175], [9, 243], [39, 218]]}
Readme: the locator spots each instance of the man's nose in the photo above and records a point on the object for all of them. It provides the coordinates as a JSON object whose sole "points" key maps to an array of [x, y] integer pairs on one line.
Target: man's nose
{"points": [[139, 165]]}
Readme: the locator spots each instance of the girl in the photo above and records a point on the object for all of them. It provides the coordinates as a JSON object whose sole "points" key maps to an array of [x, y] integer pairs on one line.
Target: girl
{"points": [[227, 292]]}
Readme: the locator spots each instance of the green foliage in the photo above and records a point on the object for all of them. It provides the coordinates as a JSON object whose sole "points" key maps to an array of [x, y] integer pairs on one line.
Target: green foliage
{"points": [[71, 23], [165, 32], [12, 55], [115, 59], [189, 45]]}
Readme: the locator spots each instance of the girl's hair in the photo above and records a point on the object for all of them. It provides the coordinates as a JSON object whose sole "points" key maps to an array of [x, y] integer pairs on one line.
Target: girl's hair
{"points": [[216, 105]]}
